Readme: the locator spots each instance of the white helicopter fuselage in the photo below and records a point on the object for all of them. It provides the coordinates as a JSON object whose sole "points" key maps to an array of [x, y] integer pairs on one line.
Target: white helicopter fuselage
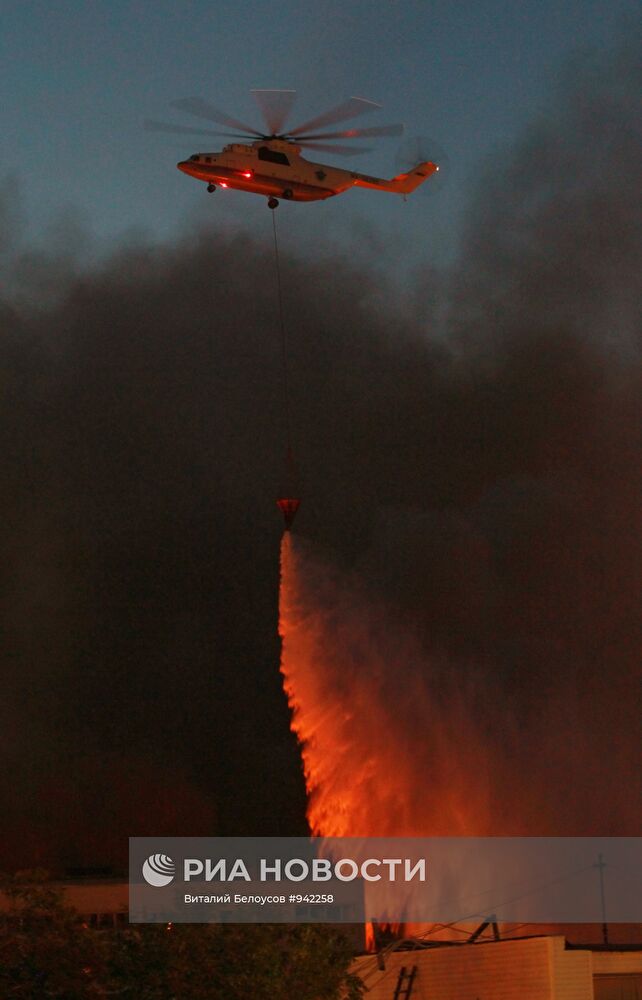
{"points": [[275, 168]]}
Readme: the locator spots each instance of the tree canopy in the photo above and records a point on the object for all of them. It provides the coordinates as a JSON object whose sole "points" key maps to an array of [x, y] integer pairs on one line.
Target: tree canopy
{"points": [[47, 951]]}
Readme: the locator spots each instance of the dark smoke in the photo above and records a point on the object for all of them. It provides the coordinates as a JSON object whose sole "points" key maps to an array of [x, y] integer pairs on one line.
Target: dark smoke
{"points": [[485, 480]]}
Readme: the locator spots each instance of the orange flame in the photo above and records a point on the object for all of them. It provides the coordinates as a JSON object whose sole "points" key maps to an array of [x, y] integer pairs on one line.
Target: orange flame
{"points": [[380, 757], [392, 743], [383, 754]]}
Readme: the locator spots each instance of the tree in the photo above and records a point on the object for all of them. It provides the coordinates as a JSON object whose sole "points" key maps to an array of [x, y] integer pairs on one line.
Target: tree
{"points": [[47, 951]]}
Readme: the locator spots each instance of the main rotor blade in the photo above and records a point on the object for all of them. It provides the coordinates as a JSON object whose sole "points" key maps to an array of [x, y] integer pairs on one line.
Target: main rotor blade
{"points": [[349, 109], [357, 133], [203, 109], [153, 126], [275, 106], [339, 150]]}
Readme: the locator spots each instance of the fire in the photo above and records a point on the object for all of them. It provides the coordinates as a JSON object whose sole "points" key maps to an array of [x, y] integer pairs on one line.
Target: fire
{"points": [[387, 747], [395, 743]]}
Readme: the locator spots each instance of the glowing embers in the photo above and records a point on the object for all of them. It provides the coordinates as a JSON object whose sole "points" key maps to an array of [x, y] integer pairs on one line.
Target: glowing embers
{"points": [[288, 507]]}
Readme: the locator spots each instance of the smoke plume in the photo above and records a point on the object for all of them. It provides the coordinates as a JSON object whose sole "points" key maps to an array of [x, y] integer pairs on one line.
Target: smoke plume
{"points": [[475, 668], [471, 489]]}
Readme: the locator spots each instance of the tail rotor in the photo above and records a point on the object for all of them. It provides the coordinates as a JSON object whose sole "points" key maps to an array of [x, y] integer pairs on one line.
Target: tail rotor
{"points": [[421, 149]]}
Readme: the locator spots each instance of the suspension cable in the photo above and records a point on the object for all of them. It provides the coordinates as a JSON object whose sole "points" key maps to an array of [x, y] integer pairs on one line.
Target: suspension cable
{"points": [[284, 344]]}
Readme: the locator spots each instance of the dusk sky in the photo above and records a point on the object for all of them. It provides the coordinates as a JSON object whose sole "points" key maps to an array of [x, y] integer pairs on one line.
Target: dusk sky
{"points": [[466, 398], [78, 80]]}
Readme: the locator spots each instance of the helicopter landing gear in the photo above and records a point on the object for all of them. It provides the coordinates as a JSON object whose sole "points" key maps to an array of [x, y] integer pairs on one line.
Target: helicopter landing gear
{"points": [[273, 203], [211, 188], [288, 193]]}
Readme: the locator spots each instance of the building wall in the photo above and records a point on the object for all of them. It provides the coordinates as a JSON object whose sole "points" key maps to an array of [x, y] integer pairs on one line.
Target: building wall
{"points": [[107, 898], [616, 961], [572, 975], [617, 975], [529, 969], [492, 971]]}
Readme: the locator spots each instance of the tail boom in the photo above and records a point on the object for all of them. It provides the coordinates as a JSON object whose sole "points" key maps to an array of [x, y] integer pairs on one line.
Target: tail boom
{"points": [[402, 184]]}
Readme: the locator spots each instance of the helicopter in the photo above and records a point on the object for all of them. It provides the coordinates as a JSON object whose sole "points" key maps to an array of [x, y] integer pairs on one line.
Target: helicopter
{"points": [[271, 163]]}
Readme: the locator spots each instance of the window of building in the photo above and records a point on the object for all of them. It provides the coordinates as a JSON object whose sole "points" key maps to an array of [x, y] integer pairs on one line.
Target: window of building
{"points": [[618, 986]]}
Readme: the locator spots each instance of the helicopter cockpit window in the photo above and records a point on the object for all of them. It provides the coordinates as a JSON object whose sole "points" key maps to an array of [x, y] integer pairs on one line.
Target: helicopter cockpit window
{"points": [[265, 153]]}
